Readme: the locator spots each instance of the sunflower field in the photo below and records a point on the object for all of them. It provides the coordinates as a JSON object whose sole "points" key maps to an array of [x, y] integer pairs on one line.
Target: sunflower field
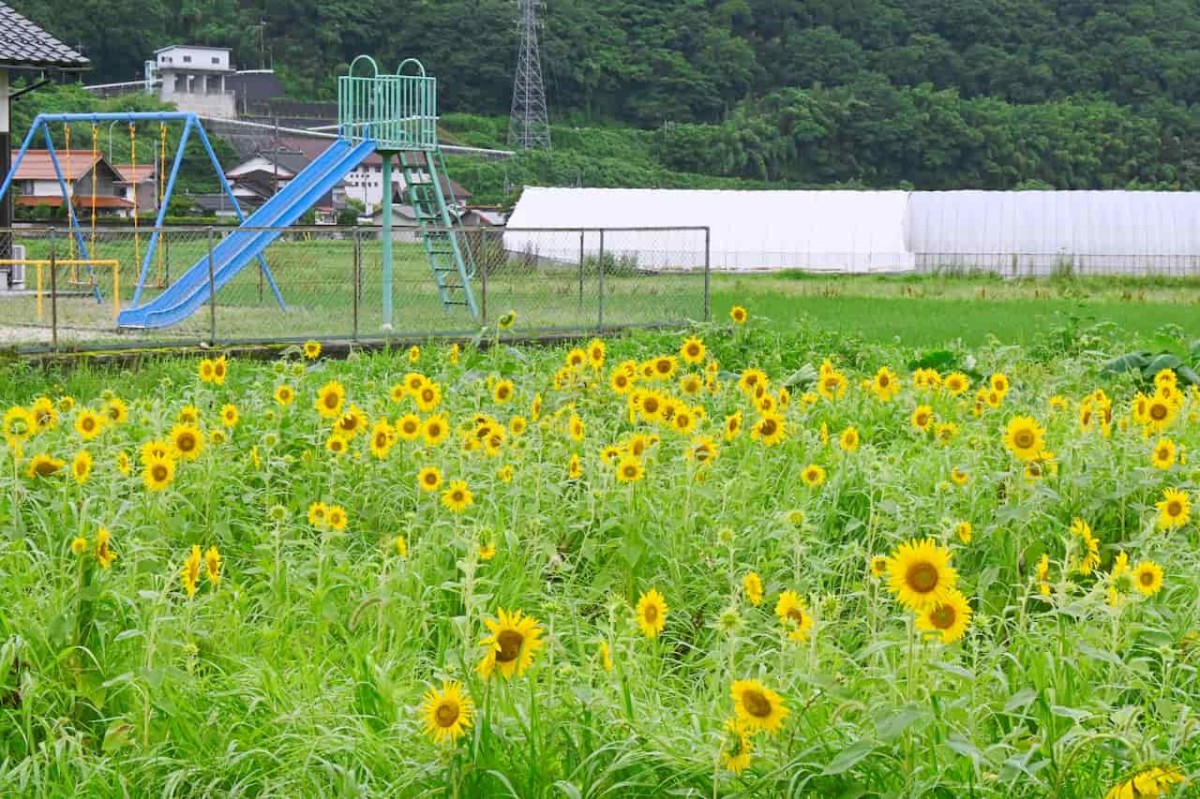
{"points": [[728, 561]]}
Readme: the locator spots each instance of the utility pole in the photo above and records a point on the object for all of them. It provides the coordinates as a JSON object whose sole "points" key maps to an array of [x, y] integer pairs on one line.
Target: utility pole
{"points": [[529, 124]]}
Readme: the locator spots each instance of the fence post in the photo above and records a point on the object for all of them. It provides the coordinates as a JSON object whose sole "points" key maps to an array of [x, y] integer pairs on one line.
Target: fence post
{"points": [[356, 277], [600, 302], [707, 274], [581, 257], [482, 265], [212, 293], [53, 292]]}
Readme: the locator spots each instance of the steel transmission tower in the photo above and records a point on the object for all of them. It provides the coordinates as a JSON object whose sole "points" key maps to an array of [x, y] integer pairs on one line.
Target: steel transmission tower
{"points": [[529, 125]]}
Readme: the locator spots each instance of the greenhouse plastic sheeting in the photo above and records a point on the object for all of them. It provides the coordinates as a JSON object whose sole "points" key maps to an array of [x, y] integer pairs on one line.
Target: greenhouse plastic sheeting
{"points": [[838, 231], [1039, 232]]}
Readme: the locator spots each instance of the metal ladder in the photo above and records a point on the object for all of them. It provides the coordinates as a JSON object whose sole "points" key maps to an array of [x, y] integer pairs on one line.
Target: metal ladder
{"points": [[449, 257]]}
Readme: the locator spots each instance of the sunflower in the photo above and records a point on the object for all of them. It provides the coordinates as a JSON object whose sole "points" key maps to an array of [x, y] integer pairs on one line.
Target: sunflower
{"points": [[832, 386], [401, 545], [1091, 546], [66, 403], [651, 613], [105, 554], [317, 513], [949, 617], [770, 430], [330, 398], [212, 565], [849, 439], [507, 320], [692, 351], [596, 352], [535, 407], [920, 574], [1043, 575], [81, 466], [1174, 509], [1165, 454], [336, 518], [813, 476], [88, 424], [44, 466], [414, 354], [922, 418], [457, 497], [999, 383], [739, 315], [312, 349], [1024, 437], [665, 367], [1146, 784], [205, 371], [229, 415], [285, 395], [188, 414], [1148, 577], [886, 384], [691, 385], [960, 476], [703, 450], [793, 614], [620, 382], [945, 432], [575, 426], [737, 747], [1160, 412], [45, 415], [187, 442], [220, 368], [878, 566], [757, 707], [753, 587], [455, 352], [574, 468], [336, 444], [684, 420], [79, 545], [383, 436], [511, 646], [409, 427], [503, 391], [964, 531], [447, 712], [190, 573], [124, 465], [751, 381], [630, 469], [436, 429], [159, 472], [429, 478]]}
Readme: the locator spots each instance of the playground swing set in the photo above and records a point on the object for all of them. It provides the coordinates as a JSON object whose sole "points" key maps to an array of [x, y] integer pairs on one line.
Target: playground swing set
{"points": [[392, 114]]}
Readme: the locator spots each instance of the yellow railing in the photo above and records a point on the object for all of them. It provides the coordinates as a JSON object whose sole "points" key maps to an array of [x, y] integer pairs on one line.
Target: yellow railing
{"points": [[40, 263]]}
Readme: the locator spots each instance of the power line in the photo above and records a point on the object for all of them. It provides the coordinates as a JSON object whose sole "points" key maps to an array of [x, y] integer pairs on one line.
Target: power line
{"points": [[529, 124]]}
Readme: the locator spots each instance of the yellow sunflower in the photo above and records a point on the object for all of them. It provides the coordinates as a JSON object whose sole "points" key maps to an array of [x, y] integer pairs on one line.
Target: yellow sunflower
{"points": [[999, 383], [229, 415], [878, 566], [511, 646], [948, 617], [574, 467], [312, 349], [285, 395], [44, 466], [409, 427], [753, 588], [457, 497], [1174, 509], [885, 384], [751, 381], [81, 466], [813, 476], [596, 353], [945, 432], [317, 513], [651, 613], [922, 418], [849, 439], [205, 370], [158, 472], [758, 708], [1148, 577], [105, 554], [336, 518], [692, 351], [435, 429], [330, 399], [630, 469], [220, 370], [429, 478], [739, 315], [733, 425], [212, 565], [336, 444], [920, 574], [383, 436], [964, 531], [1146, 784], [507, 320], [793, 613], [88, 424], [414, 354], [447, 712], [832, 386], [770, 430], [1091, 546], [503, 392], [1164, 454], [187, 442], [190, 573], [737, 747], [44, 413], [1043, 575], [1024, 437]]}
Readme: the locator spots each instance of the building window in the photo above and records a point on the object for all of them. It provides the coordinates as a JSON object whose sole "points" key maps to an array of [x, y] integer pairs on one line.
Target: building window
{"points": [[216, 60], [187, 59]]}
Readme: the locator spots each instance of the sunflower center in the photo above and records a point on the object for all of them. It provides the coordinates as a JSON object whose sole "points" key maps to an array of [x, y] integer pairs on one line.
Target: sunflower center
{"points": [[380, 440], [651, 614], [796, 615], [431, 478], [922, 419], [159, 472], [1023, 439], [768, 427], [88, 424], [756, 703], [186, 442], [922, 577], [331, 400], [630, 471], [1158, 411], [409, 427], [1174, 508], [1146, 578], [943, 618], [883, 381], [510, 642], [45, 469]]}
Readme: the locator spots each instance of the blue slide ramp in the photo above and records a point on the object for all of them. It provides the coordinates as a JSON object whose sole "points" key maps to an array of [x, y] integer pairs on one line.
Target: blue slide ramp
{"points": [[191, 291]]}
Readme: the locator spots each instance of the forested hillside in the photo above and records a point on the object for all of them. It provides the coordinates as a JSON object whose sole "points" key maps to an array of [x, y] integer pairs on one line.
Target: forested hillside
{"points": [[978, 93]]}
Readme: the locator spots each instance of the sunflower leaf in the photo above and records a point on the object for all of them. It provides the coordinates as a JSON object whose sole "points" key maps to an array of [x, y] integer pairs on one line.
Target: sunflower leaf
{"points": [[849, 757]]}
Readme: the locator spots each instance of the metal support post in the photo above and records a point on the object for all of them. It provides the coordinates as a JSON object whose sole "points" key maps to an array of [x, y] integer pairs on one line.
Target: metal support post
{"points": [[581, 258], [356, 277], [600, 302], [484, 265], [386, 251], [53, 292], [707, 275], [212, 293]]}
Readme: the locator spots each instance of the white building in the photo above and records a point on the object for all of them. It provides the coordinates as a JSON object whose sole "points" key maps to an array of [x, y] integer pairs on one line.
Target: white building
{"points": [[193, 78]]}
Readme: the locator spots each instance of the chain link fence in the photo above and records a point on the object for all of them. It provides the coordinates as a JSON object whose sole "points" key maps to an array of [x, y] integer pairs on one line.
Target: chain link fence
{"points": [[1058, 264], [64, 292]]}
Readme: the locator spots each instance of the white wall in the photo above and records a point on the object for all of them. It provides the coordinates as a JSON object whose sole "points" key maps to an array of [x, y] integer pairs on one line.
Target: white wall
{"points": [[190, 59]]}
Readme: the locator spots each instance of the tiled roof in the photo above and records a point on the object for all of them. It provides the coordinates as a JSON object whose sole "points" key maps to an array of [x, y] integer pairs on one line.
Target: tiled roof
{"points": [[23, 44], [78, 200], [36, 165], [134, 174]]}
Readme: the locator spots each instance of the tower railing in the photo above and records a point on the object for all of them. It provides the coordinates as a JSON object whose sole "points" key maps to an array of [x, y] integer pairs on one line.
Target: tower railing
{"points": [[397, 112]]}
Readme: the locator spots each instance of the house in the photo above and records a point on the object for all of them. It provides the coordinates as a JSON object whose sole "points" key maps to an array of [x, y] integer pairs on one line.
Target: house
{"points": [[365, 184], [269, 170], [23, 47], [87, 176], [194, 79], [141, 182]]}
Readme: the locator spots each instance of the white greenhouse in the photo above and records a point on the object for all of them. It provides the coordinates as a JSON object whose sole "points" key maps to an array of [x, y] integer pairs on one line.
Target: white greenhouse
{"points": [[1013, 233]]}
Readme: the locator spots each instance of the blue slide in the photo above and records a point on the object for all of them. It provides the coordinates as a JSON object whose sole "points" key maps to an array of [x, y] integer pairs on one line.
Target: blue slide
{"points": [[191, 291]]}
